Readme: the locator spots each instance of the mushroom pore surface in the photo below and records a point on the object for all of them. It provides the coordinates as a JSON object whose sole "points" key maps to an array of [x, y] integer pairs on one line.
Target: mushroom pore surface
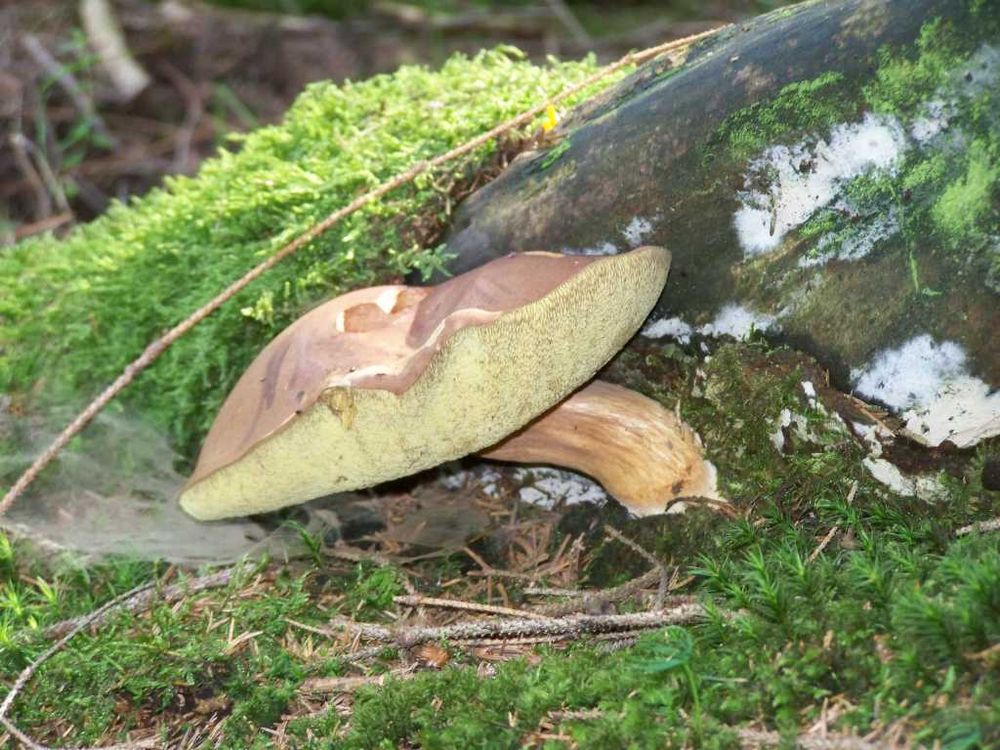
{"points": [[384, 382]]}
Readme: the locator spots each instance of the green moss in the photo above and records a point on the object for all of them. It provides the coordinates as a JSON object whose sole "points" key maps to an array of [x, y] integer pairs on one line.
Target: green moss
{"points": [[925, 173], [961, 211], [554, 154], [903, 82], [894, 620], [74, 312], [888, 626], [941, 194], [799, 108], [820, 224]]}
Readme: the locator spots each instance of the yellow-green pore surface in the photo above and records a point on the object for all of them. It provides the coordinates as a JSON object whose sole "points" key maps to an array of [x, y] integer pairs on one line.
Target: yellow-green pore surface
{"points": [[485, 382]]}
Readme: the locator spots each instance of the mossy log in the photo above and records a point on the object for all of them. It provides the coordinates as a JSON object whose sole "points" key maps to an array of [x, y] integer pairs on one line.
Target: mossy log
{"points": [[827, 174]]}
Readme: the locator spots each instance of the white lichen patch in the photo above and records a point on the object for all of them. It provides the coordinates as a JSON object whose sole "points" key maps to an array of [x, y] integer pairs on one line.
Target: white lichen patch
{"points": [[777, 437], [873, 436], [674, 328], [933, 119], [810, 392], [731, 320], [484, 478], [604, 248], [857, 244], [807, 176], [739, 322], [637, 231], [888, 474], [930, 386], [547, 487], [792, 424], [544, 486], [981, 76]]}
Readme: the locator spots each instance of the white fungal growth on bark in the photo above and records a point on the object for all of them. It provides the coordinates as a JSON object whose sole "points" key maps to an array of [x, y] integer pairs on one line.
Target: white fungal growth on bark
{"points": [[802, 178], [930, 385]]}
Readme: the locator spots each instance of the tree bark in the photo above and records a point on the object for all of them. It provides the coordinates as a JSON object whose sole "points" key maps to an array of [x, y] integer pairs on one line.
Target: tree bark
{"points": [[794, 119]]}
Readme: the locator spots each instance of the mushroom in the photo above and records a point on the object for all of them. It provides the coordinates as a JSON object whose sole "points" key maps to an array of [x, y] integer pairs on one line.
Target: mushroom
{"points": [[384, 382], [641, 453]]}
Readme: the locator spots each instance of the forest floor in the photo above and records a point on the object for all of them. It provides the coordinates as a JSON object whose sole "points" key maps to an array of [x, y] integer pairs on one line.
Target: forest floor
{"points": [[817, 608]]}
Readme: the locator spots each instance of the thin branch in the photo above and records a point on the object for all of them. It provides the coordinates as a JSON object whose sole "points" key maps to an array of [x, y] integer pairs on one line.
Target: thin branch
{"points": [[84, 622], [135, 600], [160, 345], [982, 527], [834, 529], [106, 37], [754, 738], [142, 601], [68, 83], [43, 201], [20, 736], [589, 599], [553, 591], [664, 583], [328, 685], [561, 11], [44, 225], [23, 144], [490, 609], [566, 628], [615, 534]]}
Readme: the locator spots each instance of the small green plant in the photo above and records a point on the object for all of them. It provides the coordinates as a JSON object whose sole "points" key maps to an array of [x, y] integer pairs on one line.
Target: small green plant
{"points": [[373, 590], [555, 153], [671, 651]]}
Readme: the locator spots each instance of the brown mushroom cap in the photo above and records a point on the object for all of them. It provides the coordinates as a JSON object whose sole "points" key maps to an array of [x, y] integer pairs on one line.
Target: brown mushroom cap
{"points": [[384, 382]]}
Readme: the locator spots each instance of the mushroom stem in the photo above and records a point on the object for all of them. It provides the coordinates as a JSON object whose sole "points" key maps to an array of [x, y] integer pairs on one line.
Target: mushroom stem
{"points": [[644, 455]]}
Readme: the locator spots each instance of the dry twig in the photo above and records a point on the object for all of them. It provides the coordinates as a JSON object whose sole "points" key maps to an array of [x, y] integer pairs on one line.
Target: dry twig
{"points": [[661, 591], [330, 685], [562, 11], [564, 628], [982, 527], [490, 609], [142, 600], [29, 671], [755, 738], [834, 529], [595, 599], [43, 201], [105, 35], [43, 175], [68, 83], [160, 345]]}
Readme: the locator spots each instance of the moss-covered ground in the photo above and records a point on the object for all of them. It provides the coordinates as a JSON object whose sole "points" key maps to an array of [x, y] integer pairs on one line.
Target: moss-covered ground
{"points": [[892, 628]]}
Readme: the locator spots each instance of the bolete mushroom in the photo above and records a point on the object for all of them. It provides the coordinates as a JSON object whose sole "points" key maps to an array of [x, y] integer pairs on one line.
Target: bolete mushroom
{"points": [[384, 382]]}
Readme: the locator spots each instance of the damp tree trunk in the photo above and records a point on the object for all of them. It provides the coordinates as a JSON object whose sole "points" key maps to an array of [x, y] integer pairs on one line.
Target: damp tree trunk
{"points": [[827, 173]]}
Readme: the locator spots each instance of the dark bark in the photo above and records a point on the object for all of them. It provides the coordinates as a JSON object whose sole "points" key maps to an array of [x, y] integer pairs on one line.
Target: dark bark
{"points": [[678, 152]]}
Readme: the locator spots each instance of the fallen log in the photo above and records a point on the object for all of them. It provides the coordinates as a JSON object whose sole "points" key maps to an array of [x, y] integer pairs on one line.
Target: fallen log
{"points": [[826, 174]]}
